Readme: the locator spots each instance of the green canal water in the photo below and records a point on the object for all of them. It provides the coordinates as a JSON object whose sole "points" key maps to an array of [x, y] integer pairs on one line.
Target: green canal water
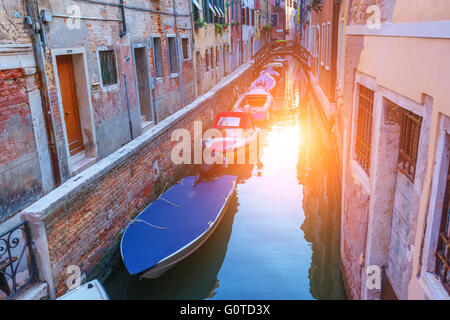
{"points": [[279, 238]]}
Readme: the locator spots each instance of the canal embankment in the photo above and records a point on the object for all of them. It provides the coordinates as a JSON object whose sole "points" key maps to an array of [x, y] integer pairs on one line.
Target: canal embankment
{"points": [[78, 225]]}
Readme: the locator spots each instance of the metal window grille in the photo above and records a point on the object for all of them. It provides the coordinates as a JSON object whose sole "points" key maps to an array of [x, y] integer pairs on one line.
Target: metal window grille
{"points": [[364, 128], [108, 67], [443, 248], [409, 142]]}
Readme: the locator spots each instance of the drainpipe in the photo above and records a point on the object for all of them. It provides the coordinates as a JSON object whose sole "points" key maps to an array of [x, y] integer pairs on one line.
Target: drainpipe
{"points": [[180, 62], [124, 22]]}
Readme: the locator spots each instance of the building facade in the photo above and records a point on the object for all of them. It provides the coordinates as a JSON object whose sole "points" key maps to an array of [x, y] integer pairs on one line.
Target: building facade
{"points": [[391, 125], [90, 92], [81, 78]]}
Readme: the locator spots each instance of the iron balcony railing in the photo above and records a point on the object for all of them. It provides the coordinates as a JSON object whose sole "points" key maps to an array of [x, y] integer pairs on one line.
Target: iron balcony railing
{"points": [[17, 266]]}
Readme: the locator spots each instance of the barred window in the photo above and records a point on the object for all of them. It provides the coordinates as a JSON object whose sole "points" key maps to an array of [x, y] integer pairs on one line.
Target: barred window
{"points": [[409, 142], [443, 249], [364, 127], [108, 67]]}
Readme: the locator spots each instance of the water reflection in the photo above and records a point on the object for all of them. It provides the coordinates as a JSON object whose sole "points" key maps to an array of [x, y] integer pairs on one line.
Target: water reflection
{"points": [[280, 236], [317, 172]]}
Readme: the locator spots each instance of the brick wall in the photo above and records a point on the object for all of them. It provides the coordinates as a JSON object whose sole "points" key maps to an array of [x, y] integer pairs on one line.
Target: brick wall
{"points": [[83, 226]]}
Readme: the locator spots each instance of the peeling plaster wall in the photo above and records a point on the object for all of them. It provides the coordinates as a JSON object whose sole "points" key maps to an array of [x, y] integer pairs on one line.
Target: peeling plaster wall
{"points": [[110, 106]]}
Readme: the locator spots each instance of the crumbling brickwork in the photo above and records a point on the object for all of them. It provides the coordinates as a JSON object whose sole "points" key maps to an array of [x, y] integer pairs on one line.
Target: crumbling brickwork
{"points": [[19, 178]]}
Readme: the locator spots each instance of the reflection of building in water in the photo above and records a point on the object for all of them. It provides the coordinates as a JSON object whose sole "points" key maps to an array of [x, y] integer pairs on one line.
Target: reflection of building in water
{"points": [[316, 171]]}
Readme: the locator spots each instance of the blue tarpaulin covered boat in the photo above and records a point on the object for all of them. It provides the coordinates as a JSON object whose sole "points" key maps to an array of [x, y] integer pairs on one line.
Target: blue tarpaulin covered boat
{"points": [[175, 225]]}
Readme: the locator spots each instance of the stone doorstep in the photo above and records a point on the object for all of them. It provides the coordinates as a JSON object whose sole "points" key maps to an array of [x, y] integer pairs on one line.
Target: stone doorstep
{"points": [[35, 291]]}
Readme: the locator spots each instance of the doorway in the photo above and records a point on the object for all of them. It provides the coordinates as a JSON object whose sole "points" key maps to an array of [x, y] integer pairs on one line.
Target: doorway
{"points": [[70, 104], [143, 85]]}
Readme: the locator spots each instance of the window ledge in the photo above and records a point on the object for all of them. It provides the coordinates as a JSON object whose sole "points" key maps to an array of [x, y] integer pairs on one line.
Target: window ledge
{"points": [[173, 75]]}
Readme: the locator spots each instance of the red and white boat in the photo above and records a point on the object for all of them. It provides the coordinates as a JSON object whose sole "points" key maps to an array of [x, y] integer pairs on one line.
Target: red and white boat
{"points": [[238, 141], [256, 102]]}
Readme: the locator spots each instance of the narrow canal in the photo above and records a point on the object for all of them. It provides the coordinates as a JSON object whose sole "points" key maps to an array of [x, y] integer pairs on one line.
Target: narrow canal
{"points": [[280, 236]]}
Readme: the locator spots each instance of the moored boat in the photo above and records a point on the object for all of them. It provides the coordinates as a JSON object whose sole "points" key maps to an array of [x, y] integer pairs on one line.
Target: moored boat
{"points": [[175, 225], [256, 102], [238, 143]]}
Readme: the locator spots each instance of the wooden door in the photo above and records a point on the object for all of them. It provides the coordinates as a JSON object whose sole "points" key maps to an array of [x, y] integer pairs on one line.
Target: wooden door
{"points": [[70, 103]]}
